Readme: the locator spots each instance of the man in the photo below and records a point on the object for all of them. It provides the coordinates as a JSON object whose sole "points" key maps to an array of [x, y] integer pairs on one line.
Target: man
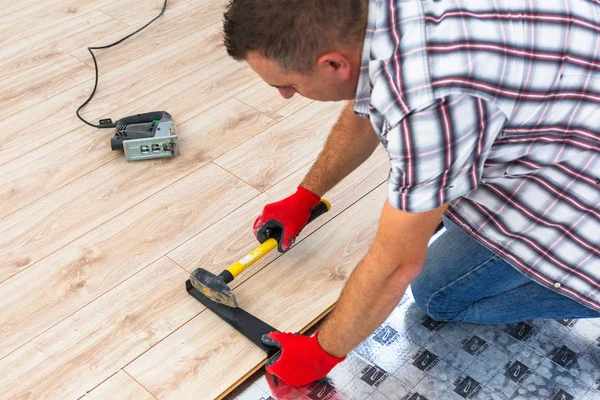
{"points": [[489, 111]]}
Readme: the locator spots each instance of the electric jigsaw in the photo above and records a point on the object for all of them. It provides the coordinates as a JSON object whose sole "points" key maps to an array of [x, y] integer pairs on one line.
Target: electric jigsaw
{"points": [[145, 136], [141, 136]]}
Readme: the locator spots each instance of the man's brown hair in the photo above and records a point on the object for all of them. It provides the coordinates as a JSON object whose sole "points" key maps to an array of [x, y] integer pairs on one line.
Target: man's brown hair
{"points": [[292, 32]]}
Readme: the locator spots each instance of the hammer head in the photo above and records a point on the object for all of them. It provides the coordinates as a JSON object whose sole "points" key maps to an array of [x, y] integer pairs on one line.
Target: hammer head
{"points": [[213, 287]]}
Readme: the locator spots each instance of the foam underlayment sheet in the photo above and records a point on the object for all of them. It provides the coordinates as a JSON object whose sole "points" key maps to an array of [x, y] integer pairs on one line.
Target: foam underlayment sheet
{"points": [[412, 357]]}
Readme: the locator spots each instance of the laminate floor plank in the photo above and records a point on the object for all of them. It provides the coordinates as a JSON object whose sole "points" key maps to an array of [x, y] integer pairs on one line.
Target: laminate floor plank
{"points": [[59, 162], [277, 152], [155, 70], [138, 12], [219, 246], [96, 250], [45, 122], [174, 25], [267, 99], [206, 356], [40, 83], [18, 5], [184, 98], [119, 386], [95, 342], [42, 15], [60, 284], [44, 226], [54, 42]]}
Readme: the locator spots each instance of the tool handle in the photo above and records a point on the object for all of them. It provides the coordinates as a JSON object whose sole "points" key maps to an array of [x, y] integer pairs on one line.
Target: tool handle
{"points": [[230, 273], [319, 210]]}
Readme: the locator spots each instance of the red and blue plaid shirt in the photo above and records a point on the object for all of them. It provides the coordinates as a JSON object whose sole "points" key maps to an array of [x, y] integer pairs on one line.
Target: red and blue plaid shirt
{"points": [[494, 106]]}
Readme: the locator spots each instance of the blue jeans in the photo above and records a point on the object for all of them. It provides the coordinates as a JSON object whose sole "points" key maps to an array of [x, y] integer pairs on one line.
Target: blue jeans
{"points": [[463, 281]]}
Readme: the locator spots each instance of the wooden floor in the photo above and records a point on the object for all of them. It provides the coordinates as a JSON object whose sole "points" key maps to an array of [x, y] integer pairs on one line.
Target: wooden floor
{"points": [[95, 250]]}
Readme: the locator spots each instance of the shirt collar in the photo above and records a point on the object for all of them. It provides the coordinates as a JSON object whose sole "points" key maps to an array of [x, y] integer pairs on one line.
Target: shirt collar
{"points": [[363, 89]]}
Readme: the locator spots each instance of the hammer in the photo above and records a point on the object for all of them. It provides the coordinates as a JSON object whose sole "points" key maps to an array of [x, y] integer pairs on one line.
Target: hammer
{"points": [[215, 286]]}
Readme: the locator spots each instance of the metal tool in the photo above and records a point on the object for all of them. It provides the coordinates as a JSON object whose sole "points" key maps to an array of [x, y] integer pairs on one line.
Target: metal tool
{"points": [[141, 136], [146, 136], [215, 287], [245, 323]]}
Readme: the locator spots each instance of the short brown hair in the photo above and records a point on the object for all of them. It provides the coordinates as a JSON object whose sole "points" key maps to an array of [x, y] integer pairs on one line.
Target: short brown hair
{"points": [[292, 32]]}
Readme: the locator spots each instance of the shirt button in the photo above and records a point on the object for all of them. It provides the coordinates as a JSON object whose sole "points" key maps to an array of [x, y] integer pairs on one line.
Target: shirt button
{"points": [[557, 285]]}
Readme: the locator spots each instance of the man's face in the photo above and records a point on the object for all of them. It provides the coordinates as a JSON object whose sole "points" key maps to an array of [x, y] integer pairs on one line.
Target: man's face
{"points": [[332, 80]]}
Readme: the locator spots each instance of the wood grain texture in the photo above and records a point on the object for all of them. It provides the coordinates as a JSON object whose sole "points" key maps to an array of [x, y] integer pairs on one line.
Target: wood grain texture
{"points": [[59, 162], [119, 386], [88, 285], [16, 6], [267, 99], [138, 12], [175, 24], [45, 121], [40, 83], [92, 344], [206, 356], [155, 70], [197, 91], [225, 242], [70, 278], [42, 15], [184, 98], [44, 226], [59, 40], [277, 152], [52, 166]]}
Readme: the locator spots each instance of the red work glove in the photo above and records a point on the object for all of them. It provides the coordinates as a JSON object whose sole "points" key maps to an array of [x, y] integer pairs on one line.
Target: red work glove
{"points": [[301, 360], [285, 219]]}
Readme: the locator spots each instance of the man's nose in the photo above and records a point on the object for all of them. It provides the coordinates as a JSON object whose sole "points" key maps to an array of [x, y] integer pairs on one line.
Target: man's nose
{"points": [[287, 93]]}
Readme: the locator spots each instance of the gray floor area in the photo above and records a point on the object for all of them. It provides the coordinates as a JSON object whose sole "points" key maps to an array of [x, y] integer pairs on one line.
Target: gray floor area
{"points": [[412, 357]]}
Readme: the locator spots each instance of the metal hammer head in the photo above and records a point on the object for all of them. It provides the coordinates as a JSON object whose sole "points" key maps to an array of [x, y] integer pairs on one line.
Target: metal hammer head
{"points": [[213, 287]]}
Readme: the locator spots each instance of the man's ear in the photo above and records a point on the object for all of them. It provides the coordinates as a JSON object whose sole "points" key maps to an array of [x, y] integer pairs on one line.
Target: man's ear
{"points": [[333, 63]]}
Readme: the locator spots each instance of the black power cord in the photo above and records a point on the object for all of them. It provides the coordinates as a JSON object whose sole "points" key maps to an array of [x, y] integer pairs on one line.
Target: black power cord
{"points": [[108, 123]]}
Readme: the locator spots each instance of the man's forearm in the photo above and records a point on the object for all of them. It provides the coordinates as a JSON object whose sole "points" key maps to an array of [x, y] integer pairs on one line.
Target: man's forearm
{"points": [[351, 141], [370, 295], [377, 284]]}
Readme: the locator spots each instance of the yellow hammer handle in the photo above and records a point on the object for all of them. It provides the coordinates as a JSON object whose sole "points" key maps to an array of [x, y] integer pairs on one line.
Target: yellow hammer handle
{"points": [[252, 257], [230, 273]]}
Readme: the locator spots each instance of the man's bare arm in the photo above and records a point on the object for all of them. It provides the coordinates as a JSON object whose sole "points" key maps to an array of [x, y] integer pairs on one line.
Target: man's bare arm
{"points": [[351, 141], [377, 284]]}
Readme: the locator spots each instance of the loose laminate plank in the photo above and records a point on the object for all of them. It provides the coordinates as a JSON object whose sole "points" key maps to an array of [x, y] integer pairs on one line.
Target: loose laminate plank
{"points": [[52, 43], [267, 99], [207, 357], [219, 246], [44, 226], [71, 277], [40, 83], [175, 24], [271, 156], [92, 344], [119, 386]]}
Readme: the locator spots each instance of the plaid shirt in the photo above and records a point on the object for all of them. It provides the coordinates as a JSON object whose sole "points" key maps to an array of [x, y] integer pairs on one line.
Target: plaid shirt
{"points": [[494, 106]]}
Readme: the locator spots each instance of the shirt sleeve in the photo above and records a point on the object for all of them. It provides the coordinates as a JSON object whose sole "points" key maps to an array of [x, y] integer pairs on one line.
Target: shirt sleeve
{"points": [[437, 154]]}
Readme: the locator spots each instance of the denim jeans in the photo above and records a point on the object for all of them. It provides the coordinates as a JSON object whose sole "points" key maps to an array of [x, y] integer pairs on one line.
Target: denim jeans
{"points": [[463, 281]]}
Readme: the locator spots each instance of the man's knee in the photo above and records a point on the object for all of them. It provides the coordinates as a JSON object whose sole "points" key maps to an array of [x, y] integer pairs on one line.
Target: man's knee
{"points": [[435, 302]]}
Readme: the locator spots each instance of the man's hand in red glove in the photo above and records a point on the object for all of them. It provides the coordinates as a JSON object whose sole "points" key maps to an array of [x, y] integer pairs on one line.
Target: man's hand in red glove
{"points": [[285, 219], [301, 360]]}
